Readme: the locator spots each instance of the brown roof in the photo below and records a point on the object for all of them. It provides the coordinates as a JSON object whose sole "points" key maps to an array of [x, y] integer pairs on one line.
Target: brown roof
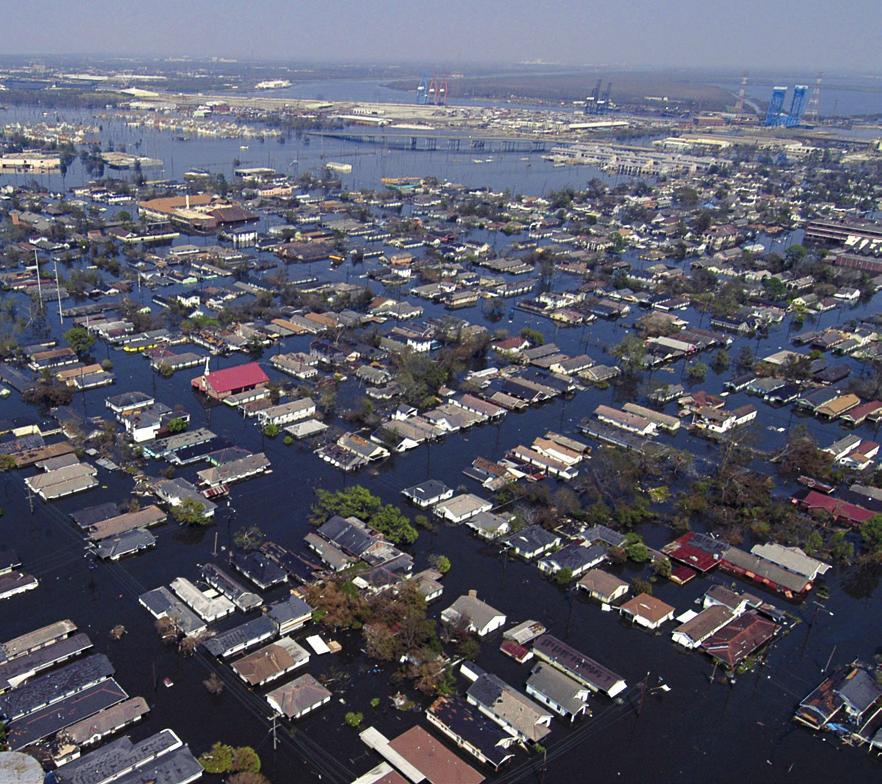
{"points": [[172, 203], [433, 759], [707, 622], [601, 582], [648, 607]]}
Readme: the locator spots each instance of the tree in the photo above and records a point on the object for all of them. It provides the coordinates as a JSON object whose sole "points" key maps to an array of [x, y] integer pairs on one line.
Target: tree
{"points": [[441, 563], [635, 548], [219, 759], [353, 719], [249, 538], [246, 777], [534, 336], [697, 371], [662, 567], [871, 533], [79, 339], [358, 501], [745, 358], [190, 512], [721, 360], [245, 760], [631, 350], [564, 576], [176, 425]]}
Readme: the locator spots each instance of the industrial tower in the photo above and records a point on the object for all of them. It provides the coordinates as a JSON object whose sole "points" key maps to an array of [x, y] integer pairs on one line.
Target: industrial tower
{"points": [[813, 108], [739, 102], [437, 92]]}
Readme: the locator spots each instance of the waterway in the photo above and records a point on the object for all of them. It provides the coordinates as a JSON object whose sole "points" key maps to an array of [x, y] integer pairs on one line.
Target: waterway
{"points": [[697, 732]]}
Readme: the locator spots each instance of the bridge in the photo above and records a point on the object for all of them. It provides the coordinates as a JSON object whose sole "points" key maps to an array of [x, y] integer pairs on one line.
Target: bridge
{"points": [[427, 142]]}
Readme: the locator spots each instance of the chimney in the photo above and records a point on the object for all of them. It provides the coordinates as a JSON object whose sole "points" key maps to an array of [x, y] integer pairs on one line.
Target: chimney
{"points": [[473, 593], [188, 201]]}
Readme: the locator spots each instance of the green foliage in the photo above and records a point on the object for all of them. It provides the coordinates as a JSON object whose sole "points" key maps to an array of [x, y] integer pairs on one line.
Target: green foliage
{"points": [[353, 719], [375, 702], [696, 371], [535, 337], [631, 351], [249, 538], [359, 502], [219, 759], [636, 550], [871, 533], [79, 339], [271, 430], [662, 567], [441, 563], [176, 425], [564, 576], [288, 440], [639, 585], [246, 760], [190, 512]]}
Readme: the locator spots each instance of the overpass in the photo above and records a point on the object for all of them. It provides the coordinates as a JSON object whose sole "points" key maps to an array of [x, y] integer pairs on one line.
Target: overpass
{"points": [[437, 142]]}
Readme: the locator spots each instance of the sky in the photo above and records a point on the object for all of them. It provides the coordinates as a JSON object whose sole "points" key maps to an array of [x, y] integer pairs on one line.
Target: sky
{"points": [[821, 35]]}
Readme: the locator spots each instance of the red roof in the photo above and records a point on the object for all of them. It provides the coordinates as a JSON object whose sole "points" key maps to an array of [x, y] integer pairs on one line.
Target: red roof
{"points": [[739, 638], [238, 377], [837, 507], [697, 551]]}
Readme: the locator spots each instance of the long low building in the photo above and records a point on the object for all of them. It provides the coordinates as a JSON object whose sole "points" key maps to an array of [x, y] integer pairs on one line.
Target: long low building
{"points": [[55, 686], [162, 758], [578, 666], [664, 421], [129, 521], [241, 637], [36, 639], [16, 671], [625, 421]]}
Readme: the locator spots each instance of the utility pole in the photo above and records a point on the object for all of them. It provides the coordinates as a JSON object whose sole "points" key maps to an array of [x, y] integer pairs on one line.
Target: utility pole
{"points": [[214, 552], [275, 734], [39, 287], [58, 295], [643, 688]]}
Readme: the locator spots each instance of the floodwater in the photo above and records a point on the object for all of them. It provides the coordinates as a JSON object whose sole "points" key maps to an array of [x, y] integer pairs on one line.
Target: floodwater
{"points": [[697, 732]]}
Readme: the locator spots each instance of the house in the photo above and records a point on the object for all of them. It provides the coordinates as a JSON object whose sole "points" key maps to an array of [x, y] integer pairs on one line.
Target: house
{"points": [[792, 558], [709, 621], [462, 507], [603, 586], [488, 525], [848, 699], [576, 557], [222, 383], [427, 493], [270, 662], [558, 691], [531, 542], [578, 666], [765, 572], [647, 611], [471, 730], [511, 710], [739, 638], [299, 697], [477, 616], [633, 423], [423, 758]]}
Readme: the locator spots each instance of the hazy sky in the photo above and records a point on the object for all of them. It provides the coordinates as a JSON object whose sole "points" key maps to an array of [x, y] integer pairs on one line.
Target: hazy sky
{"points": [[821, 35]]}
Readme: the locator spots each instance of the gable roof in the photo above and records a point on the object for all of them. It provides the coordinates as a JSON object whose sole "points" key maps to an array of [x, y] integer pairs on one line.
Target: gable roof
{"points": [[238, 377]]}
